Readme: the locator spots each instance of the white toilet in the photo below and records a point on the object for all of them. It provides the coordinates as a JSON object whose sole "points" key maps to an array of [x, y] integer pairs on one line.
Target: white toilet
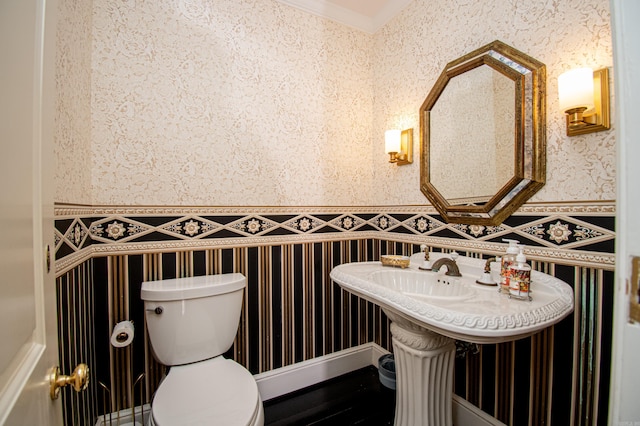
{"points": [[191, 323]]}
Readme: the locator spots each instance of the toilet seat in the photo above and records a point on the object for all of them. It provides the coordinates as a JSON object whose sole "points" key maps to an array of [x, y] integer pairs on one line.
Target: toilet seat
{"points": [[217, 391]]}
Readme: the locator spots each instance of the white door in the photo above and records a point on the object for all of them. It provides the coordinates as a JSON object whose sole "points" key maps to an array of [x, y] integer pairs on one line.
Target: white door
{"points": [[28, 337], [624, 407]]}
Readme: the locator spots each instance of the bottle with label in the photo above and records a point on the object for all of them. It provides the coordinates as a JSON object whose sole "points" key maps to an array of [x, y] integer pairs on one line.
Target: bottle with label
{"points": [[507, 260], [520, 278]]}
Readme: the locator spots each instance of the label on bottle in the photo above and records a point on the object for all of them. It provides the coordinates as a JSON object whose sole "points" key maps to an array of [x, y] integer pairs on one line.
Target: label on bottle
{"points": [[505, 274], [519, 283]]}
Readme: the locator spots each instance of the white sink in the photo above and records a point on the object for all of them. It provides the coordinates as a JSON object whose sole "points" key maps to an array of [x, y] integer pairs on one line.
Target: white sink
{"points": [[428, 310], [424, 285], [457, 307]]}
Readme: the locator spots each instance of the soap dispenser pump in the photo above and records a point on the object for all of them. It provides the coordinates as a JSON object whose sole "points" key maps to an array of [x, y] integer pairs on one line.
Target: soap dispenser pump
{"points": [[507, 260], [520, 278]]}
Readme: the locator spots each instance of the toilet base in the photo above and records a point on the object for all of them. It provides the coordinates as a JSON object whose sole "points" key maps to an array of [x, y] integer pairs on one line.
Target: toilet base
{"points": [[258, 419]]}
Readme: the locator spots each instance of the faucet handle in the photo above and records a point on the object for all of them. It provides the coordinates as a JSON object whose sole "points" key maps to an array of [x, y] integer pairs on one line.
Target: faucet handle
{"points": [[425, 249], [454, 255]]}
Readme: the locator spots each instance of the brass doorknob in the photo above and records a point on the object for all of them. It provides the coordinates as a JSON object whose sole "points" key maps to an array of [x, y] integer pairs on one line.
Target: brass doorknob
{"points": [[79, 379]]}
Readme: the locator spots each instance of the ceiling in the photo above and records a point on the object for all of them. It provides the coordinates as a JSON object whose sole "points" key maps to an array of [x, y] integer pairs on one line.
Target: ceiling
{"points": [[369, 8], [365, 15]]}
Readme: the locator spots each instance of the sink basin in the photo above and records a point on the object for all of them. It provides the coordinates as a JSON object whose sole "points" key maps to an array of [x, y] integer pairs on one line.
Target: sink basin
{"points": [[424, 285], [457, 307], [428, 310]]}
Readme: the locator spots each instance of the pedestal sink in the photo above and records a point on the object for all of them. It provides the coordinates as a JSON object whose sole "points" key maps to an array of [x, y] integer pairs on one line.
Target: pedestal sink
{"points": [[429, 311]]}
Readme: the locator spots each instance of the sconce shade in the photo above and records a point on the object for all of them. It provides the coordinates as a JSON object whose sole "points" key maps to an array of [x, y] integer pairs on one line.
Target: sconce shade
{"points": [[575, 89], [399, 145], [584, 98], [392, 141]]}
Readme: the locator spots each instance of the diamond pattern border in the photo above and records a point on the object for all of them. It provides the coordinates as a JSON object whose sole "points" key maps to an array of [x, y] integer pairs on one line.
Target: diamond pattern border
{"points": [[587, 229]]}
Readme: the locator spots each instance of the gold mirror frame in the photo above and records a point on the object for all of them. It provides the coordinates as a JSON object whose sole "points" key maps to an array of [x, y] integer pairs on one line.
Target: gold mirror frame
{"points": [[529, 76]]}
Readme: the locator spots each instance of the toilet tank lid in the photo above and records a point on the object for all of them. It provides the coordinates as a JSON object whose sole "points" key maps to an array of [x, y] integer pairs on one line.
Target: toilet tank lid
{"points": [[192, 287]]}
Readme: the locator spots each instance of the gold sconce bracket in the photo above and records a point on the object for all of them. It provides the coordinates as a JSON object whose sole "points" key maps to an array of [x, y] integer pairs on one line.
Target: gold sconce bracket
{"points": [[598, 119], [405, 156]]}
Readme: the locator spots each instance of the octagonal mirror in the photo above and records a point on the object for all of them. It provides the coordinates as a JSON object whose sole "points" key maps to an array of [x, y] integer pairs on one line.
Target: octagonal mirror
{"points": [[483, 135]]}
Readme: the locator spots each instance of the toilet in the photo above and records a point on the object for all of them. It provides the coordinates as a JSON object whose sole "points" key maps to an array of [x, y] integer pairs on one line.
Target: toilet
{"points": [[191, 323]]}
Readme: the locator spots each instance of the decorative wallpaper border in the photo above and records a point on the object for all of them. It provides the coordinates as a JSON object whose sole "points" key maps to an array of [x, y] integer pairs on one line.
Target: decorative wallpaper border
{"points": [[581, 234]]}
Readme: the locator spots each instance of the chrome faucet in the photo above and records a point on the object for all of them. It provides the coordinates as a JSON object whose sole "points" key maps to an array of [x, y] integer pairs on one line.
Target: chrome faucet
{"points": [[452, 267]]}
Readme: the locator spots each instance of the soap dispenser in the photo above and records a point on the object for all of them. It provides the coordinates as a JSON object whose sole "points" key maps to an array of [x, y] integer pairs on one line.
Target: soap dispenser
{"points": [[507, 260], [520, 277]]}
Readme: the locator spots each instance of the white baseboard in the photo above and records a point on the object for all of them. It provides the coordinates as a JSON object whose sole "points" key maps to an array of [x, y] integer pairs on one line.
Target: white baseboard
{"points": [[467, 414], [282, 381]]}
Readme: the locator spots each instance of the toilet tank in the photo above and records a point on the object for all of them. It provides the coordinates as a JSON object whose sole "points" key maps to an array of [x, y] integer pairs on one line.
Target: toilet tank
{"points": [[192, 319]]}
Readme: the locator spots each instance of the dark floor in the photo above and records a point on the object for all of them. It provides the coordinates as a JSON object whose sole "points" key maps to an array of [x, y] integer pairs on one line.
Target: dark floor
{"points": [[356, 398]]}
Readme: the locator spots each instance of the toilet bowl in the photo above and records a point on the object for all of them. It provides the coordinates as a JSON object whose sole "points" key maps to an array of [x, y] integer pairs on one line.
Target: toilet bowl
{"points": [[213, 392], [191, 322]]}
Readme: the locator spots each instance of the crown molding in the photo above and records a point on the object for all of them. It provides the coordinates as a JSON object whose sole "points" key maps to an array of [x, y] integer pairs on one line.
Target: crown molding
{"points": [[348, 17], [388, 12]]}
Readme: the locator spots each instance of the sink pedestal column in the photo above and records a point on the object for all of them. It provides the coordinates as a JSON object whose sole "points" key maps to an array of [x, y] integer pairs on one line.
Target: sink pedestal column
{"points": [[424, 374]]}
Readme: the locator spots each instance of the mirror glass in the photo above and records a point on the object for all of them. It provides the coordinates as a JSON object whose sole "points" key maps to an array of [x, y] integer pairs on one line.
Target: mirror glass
{"points": [[472, 152], [482, 135]]}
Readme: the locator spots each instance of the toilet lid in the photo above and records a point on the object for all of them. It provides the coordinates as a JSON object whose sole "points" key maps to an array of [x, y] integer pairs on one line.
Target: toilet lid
{"points": [[213, 392]]}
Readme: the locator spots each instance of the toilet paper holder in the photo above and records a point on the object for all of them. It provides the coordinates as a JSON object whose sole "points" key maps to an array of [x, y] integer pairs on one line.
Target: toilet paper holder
{"points": [[123, 334]]}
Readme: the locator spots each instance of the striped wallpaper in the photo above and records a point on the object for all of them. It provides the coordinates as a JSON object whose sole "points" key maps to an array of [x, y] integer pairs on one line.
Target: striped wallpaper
{"points": [[293, 312]]}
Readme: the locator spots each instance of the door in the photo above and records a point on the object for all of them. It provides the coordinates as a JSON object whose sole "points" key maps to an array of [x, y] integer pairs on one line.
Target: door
{"points": [[28, 337], [624, 407]]}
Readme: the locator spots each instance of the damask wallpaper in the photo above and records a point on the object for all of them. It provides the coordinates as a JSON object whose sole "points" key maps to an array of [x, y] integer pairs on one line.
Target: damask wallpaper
{"points": [[253, 102], [72, 147], [228, 103], [412, 50]]}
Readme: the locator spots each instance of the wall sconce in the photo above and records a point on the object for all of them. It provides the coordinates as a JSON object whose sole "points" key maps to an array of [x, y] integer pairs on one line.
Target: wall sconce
{"points": [[399, 145], [584, 98]]}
